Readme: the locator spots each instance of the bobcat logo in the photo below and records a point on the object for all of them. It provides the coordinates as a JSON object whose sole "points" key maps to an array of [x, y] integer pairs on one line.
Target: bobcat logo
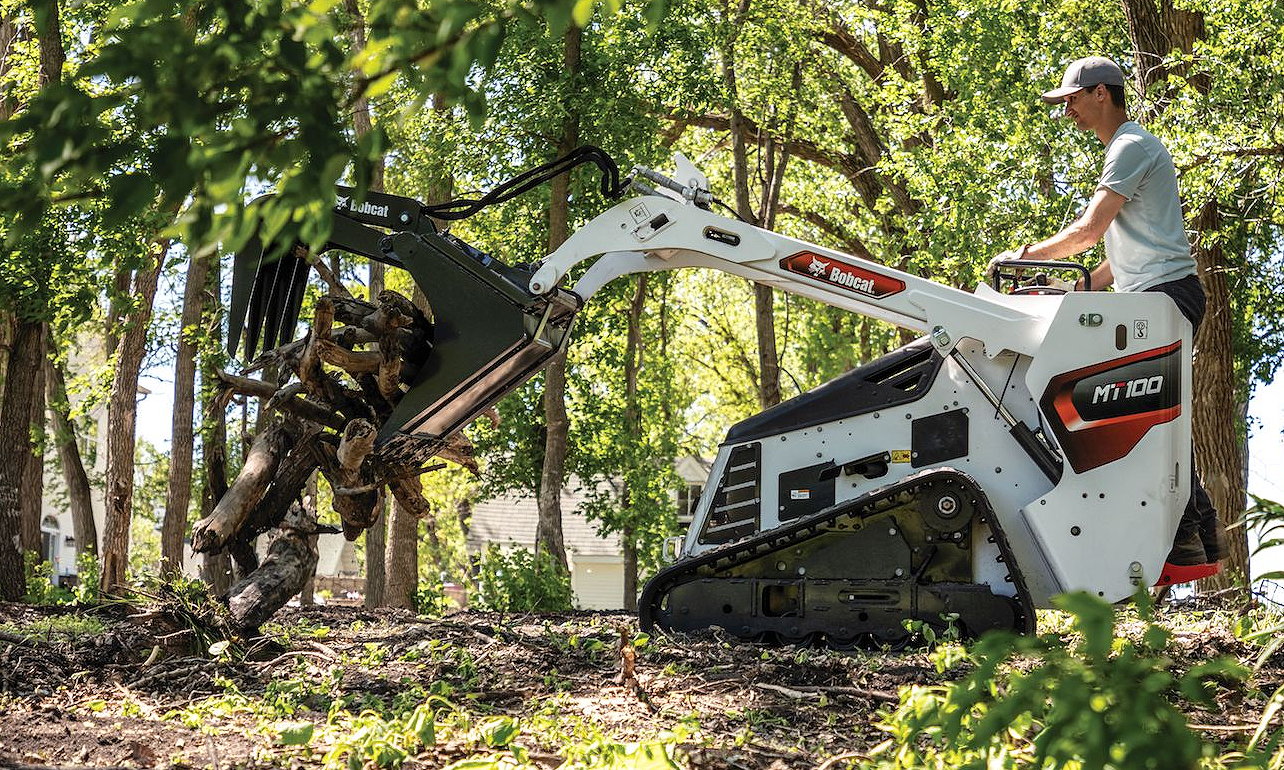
{"points": [[817, 268]]}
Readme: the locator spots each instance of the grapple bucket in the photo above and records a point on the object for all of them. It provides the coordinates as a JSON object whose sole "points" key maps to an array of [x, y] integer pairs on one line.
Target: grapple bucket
{"points": [[490, 334]]}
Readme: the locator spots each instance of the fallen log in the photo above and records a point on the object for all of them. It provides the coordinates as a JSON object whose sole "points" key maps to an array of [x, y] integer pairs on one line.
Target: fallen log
{"points": [[291, 560], [214, 531], [336, 385]]}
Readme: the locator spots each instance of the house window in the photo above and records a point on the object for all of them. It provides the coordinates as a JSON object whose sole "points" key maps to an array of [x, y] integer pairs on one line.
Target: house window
{"points": [[688, 500], [50, 537]]}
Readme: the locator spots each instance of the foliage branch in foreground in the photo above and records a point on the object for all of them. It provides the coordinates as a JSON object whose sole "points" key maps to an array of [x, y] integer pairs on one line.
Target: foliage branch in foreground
{"points": [[1033, 701], [182, 102]]}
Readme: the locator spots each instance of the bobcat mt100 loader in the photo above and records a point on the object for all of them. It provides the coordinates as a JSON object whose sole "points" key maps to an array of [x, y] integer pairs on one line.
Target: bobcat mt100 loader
{"points": [[1028, 444]]}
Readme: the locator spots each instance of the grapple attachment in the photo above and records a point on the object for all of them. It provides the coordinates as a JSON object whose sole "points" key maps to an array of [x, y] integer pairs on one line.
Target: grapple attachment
{"points": [[490, 334]]}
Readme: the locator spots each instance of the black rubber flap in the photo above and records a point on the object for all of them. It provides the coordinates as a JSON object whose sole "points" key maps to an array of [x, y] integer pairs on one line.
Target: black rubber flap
{"points": [[490, 335], [805, 491], [899, 377], [938, 438]]}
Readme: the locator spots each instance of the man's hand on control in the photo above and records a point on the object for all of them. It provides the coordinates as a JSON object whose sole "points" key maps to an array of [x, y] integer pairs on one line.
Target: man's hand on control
{"points": [[1005, 256]]}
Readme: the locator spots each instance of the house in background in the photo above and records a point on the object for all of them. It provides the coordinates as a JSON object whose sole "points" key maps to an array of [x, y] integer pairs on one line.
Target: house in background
{"points": [[596, 562]]}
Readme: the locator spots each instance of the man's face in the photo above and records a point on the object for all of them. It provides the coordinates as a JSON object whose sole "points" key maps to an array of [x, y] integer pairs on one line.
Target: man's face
{"points": [[1084, 107]]}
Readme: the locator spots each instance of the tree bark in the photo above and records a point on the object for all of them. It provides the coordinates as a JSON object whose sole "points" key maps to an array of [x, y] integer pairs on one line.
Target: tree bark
{"points": [[633, 356], [182, 436], [1218, 451], [763, 296], [216, 568], [15, 447], [122, 414], [376, 535], [307, 594], [79, 494], [291, 559], [8, 36], [33, 474], [548, 530], [1156, 30], [402, 555]]}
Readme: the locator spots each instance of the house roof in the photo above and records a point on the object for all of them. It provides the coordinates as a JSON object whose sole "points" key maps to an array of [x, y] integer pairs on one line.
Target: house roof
{"points": [[511, 520]]}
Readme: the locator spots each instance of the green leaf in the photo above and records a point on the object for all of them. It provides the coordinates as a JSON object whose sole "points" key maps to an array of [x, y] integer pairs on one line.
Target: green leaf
{"points": [[295, 733], [583, 12], [498, 732]]}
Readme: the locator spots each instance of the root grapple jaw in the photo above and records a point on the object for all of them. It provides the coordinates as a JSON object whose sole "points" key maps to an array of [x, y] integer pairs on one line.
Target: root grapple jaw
{"points": [[490, 334], [268, 281]]}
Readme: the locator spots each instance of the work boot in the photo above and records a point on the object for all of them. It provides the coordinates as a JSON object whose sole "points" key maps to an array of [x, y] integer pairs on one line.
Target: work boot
{"points": [[1188, 548], [1213, 539], [1211, 533]]}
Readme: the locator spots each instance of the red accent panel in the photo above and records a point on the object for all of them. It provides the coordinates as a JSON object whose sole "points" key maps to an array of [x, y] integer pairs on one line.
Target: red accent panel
{"points": [[1091, 443], [835, 272], [1173, 574]]}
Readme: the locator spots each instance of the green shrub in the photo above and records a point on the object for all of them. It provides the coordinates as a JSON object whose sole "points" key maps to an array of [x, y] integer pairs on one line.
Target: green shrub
{"points": [[86, 590], [518, 581], [431, 599], [1034, 701], [40, 581]]}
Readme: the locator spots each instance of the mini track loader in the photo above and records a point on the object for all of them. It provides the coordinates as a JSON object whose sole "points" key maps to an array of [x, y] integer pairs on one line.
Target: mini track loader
{"points": [[1029, 444]]}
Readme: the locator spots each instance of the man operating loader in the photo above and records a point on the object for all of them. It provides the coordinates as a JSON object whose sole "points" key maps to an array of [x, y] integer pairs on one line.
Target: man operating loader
{"points": [[1136, 209]]}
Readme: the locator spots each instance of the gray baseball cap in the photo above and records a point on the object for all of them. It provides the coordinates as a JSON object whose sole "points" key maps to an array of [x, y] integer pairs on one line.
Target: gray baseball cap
{"points": [[1087, 72]]}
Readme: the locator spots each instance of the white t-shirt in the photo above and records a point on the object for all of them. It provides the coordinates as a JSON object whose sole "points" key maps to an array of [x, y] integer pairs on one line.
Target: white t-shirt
{"points": [[1146, 243]]}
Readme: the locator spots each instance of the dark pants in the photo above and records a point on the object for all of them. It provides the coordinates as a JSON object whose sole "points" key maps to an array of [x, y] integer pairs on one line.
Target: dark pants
{"points": [[1189, 298]]}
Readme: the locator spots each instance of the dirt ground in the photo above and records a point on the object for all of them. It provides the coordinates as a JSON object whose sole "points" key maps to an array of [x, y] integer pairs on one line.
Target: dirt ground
{"points": [[118, 686]]}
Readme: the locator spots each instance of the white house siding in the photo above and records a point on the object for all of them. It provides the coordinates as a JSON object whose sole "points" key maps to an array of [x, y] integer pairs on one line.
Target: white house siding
{"points": [[598, 582], [597, 567]]}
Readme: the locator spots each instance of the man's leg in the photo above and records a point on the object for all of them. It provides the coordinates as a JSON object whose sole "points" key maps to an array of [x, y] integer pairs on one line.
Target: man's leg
{"points": [[1199, 535], [1201, 509]]}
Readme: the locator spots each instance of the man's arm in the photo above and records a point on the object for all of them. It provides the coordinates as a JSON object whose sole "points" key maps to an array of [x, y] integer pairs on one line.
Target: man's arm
{"points": [[1077, 237], [1102, 277], [1083, 233]]}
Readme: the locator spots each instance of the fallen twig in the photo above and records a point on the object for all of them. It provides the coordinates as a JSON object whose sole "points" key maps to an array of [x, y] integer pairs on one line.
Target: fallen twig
{"points": [[848, 757]]}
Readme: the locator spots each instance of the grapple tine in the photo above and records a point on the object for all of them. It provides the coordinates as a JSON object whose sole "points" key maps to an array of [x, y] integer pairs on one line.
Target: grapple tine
{"points": [[245, 266], [275, 301], [294, 301], [264, 284]]}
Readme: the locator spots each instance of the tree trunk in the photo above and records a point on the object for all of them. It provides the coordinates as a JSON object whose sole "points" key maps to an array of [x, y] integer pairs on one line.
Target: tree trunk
{"points": [[79, 494], [402, 556], [629, 552], [376, 553], [216, 568], [763, 296], [182, 438], [1218, 452], [8, 35], [122, 414], [633, 356], [15, 447], [548, 530], [33, 474], [307, 594], [1156, 30], [291, 559]]}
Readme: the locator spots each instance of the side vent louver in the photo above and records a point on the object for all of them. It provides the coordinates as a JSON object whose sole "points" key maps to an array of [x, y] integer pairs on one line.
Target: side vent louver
{"points": [[737, 501]]}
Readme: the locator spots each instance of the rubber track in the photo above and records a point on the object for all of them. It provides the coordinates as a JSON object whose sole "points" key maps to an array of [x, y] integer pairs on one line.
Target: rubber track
{"points": [[715, 561]]}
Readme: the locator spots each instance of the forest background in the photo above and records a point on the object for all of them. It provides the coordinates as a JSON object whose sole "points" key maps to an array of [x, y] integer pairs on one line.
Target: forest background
{"points": [[904, 132]]}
